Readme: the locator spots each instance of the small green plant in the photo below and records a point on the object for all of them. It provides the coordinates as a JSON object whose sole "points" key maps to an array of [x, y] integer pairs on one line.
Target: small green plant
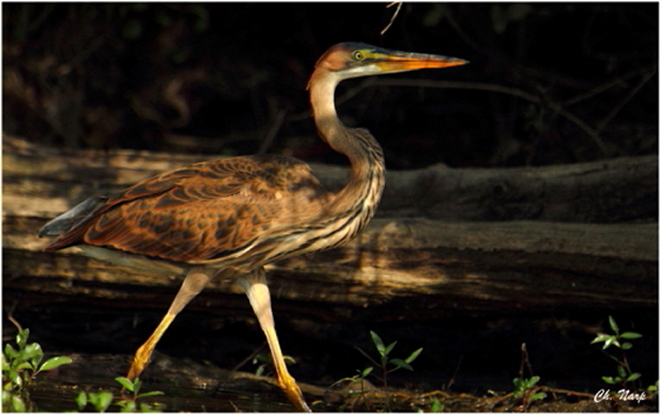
{"points": [[385, 362], [359, 377], [19, 367], [131, 405], [99, 400], [618, 340], [525, 388], [103, 399]]}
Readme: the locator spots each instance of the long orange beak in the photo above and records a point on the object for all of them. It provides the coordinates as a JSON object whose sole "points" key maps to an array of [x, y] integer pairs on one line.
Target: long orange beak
{"points": [[402, 61]]}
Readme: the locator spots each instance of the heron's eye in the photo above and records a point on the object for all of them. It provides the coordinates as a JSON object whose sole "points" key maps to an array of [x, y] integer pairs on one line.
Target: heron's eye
{"points": [[358, 55]]}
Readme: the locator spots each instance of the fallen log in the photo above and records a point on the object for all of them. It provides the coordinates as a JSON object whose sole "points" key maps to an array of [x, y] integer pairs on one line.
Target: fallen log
{"points": [[50, 181], [420, 267]]}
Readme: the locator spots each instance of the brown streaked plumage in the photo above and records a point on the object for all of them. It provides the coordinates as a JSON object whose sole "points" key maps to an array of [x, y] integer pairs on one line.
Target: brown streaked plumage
{"points": [[206, 213], [228, 218]]}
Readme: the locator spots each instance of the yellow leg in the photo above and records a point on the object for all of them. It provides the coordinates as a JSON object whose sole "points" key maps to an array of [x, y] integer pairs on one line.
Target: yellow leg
{"points": [[258, 294], [194, 282], [143, 355]]}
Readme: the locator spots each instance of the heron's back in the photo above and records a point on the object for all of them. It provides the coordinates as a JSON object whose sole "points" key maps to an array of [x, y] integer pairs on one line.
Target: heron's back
{"points": [[219, 213]]}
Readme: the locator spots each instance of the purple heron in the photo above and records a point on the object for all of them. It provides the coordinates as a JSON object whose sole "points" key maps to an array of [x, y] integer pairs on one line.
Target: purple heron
{"points": [[227, 218]]}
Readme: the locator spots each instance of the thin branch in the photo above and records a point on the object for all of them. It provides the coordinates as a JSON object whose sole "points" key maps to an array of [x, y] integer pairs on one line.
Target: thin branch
{"points": [[591, 132], [624, 102], [394, 16], [257, 351], [10, 316], [613, 83]]}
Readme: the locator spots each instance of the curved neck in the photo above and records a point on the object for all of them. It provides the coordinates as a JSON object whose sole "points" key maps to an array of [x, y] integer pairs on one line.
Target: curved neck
{"points": [[322, 97], [363, 190]]}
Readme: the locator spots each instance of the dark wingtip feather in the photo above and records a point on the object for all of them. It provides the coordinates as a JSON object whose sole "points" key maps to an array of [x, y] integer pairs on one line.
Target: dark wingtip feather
{"points": [[71, 217]]}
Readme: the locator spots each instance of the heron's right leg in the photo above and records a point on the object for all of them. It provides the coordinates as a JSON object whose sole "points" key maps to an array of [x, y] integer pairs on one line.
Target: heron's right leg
{"points": [[194, 282], [254, 284]]}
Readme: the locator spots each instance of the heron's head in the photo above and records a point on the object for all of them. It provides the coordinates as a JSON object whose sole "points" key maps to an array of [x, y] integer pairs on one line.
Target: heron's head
{"points": [[352, 60]]}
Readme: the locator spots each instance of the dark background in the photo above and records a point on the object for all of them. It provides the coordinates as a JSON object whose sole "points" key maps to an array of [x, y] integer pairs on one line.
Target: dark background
{"points": [[215, 78], [547, 84]]}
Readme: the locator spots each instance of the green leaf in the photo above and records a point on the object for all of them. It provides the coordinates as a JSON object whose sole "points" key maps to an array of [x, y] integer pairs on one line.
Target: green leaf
{"points": [[33, 353], [22, 338], [601, 337], [5, 364], [366, 372], [24, 365], [413, 356], [621, 372], [389, 348], [537, 396], [380, 347], [152, 393], [101, 401], [533, 381], [630, 335], [127, 406], [613, 324], [137, 384], [399, 363], [287, 359], [608, 379], [653, 388], [518, 383], [17, 404], [54, 362], [436, 406], [519, 387], [127, 384], [612, 341], [81, 400], [626, 346], [10, 352], [633, 376], [15, 377]]}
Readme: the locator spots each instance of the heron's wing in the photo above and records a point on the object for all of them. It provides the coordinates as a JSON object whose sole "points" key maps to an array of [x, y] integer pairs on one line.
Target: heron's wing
{"points": [[205, 211]]}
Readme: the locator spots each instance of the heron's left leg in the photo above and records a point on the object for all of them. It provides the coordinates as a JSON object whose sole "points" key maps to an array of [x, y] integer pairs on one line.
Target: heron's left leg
{"points": [[254, 284], [194, 282]]}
